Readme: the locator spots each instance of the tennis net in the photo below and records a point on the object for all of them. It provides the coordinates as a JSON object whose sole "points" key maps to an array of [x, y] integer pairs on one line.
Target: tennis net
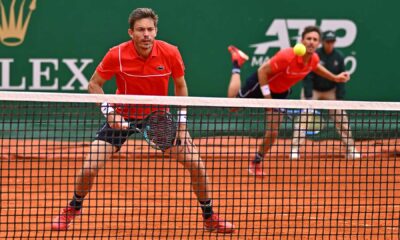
{"points": [[330, 174]]}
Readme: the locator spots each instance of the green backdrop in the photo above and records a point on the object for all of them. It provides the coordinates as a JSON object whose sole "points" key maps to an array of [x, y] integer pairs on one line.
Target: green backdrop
{"points": [[62, 35]]}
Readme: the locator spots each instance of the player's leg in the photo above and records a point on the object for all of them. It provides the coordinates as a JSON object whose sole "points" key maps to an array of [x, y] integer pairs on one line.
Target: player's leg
{"points": [[341, 120], [342, 125], [107, 142], [299, 136], [238, 59], [273, 119], [300, 128], [100, 151], [188, 155], [251, 89], [234, 85]]}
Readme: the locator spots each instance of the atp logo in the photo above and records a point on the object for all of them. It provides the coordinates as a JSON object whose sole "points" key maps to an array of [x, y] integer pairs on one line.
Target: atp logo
{"points": [[14, 24], [280, 29]]}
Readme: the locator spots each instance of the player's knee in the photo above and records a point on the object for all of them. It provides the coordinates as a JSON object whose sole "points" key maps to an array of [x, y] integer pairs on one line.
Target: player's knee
{"points": [[92, 166], [186, 155], [191, 163], [184, 159], [90, 172], [185, 149], [271, 133]]}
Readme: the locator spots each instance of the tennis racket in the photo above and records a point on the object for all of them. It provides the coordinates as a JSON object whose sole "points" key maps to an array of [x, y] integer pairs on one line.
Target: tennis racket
{"points": [[310, 120], [158, 129]]}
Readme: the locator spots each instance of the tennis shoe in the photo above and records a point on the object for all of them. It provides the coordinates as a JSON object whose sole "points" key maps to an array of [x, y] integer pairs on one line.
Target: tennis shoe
{"points": [[217, 224], [237, 55], [256, 169], [352, 153], [294, 155], [66, 217]]}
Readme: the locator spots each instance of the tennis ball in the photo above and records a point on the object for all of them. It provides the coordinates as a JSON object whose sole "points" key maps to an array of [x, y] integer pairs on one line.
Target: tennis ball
{"points": [[299, 49]]}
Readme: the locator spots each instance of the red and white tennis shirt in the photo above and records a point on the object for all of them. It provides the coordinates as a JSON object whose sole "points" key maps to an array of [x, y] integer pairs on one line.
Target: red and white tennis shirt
{"points": [[138, 76], [288, 69]]}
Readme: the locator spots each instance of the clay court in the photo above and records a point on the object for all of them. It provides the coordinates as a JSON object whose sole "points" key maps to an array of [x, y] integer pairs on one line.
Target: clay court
{"points": [[144, 194]]}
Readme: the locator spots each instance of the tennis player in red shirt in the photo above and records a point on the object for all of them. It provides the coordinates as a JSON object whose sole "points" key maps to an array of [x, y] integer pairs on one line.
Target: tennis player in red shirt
{"points": [[273, 79], [141, 66]]}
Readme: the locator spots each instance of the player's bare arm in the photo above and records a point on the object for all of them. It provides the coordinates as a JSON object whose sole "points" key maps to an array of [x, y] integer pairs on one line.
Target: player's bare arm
{"points": [[96, 84], [340, 78], [182, 90], [180, 86], [96, 87], [262, 73]]}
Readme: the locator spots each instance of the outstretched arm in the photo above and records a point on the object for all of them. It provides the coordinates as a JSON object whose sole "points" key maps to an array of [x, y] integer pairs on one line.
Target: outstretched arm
{"points": [[325, 73], [340, 87], [263, 72]]}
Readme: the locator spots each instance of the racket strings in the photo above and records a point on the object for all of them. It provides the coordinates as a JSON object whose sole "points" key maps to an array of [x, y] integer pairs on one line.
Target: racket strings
{"points": [[161, 130]]}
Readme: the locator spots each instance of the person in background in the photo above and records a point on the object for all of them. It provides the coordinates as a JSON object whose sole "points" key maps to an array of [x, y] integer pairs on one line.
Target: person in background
{"points": [[274, 79], [316, 87]]}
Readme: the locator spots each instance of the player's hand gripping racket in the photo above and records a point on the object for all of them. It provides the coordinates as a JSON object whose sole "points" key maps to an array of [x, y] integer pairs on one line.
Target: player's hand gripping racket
{"points": [[310, 120], [158, 129]]}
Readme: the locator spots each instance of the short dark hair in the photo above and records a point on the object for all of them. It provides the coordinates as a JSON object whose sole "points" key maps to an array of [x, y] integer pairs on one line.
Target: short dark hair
{"points": [[140, 13], [311, 29]]}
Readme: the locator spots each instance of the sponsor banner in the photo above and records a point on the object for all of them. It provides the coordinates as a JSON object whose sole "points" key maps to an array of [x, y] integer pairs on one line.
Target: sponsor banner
{"points": [[56, 45], [280, 30]]}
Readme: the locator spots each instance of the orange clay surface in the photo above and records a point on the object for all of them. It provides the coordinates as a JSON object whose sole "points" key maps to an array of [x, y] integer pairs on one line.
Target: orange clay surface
{"points": [[142, 193]]}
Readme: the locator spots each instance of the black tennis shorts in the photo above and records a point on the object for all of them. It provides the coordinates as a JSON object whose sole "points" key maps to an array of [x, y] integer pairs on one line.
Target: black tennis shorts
{"points": [[116, 137], [251, 89]]}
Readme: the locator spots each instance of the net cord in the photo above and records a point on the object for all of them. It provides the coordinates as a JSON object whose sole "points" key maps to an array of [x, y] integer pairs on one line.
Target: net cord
{"points": [[198, 101]]}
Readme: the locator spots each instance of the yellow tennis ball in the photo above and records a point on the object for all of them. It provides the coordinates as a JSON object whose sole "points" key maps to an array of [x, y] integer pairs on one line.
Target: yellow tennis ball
{"points": [[299, 49]]}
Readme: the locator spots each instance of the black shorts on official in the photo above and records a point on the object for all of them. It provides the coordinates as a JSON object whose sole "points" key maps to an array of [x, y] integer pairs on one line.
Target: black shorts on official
{"points": [[251, 89], [116, 137]]}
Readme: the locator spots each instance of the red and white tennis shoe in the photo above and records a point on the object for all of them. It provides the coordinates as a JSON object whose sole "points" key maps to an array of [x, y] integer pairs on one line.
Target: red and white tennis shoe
{"points": [[217, 224], [256, 169], [66, 217], [238, 55]]}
